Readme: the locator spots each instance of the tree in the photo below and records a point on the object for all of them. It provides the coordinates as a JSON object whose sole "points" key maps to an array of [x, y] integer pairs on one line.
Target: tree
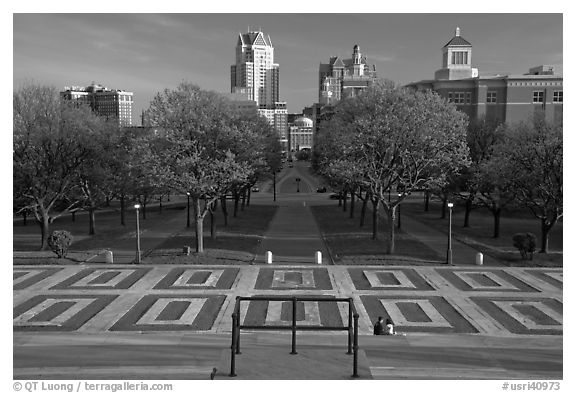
{"points": [[482, 136], [531, 160], [403, 140], [200, 139], [49, 145], [94, 180]]}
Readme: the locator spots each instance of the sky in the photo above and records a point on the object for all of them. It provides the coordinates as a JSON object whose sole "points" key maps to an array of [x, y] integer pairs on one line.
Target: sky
{"points": [[146, 53]]}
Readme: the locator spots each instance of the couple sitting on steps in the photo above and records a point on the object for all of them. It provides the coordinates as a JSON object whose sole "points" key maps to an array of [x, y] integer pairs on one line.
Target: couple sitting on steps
{"points": [[385, 329]]}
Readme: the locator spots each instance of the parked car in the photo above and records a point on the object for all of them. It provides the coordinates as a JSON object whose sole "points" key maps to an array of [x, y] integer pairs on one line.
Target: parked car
{"points": [[321, 189], [335, 195], [255, 189]]}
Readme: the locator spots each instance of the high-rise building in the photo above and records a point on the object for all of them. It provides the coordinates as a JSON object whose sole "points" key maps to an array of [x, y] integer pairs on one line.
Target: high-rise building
{"points": [[111, 103], [341, 78], [256, 74], [505, 98]]}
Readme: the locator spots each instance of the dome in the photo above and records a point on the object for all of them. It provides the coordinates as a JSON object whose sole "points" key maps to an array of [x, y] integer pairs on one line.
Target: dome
{"points": [[303, 122]]}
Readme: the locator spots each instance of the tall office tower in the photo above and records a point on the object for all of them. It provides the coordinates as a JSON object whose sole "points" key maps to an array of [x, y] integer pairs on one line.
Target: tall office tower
{"points": [[341, 78], [111, 103], [256, 74], [255, 69]]}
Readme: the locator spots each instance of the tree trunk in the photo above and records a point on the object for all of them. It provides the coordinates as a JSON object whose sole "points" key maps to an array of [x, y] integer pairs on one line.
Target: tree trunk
{"points": [[375, 220], [467, 213], [444, 205], [345, 200], [91, 221], [224, 210], [496, 213], [144, 210], [249, 196], [363, 211], [44, 223], [24, 217], [243, 200], [545, 226], [426, 200], [391, 215], [340, 199], [199, 226], [236, 201], [160, 206], [352, 200], [107, 201], [122, 211], [212, 221]]}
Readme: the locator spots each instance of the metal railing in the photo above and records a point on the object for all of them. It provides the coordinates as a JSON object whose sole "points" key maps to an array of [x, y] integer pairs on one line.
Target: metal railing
{"points": [[352, 327]]}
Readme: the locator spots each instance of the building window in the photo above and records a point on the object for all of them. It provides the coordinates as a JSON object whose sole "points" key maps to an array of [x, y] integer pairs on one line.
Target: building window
{"points": [[459, 57], [459, 98], [468, 97], [538, 96], [557, 96], [491, 97]]}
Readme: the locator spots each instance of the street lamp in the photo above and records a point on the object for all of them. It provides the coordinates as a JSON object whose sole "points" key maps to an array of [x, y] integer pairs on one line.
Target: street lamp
{"points": [[449, 252], [188, 210], [137, 207], [399, 195]]}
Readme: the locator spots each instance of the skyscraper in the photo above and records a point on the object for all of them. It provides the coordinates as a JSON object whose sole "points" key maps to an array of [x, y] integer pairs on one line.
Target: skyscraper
{"points": [[256, 74], [255, 69]]}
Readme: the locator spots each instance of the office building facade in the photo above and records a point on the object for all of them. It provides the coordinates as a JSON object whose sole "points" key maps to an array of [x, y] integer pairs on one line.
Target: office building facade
{"points": [[110, 103]]}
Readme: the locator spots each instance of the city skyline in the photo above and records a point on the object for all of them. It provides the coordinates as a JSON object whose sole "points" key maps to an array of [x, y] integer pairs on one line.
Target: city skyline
{"points": [[146, 53]]}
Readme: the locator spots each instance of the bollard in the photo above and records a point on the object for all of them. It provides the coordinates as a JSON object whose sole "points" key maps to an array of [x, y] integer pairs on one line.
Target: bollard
{"points": [[319, 257], [479, 259], [108, 256], [186, 250], [269, 257]]}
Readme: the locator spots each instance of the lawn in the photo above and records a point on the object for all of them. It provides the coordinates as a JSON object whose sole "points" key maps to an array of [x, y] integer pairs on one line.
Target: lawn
{"points": [[350, 243], [480, 232], [236, 243]]}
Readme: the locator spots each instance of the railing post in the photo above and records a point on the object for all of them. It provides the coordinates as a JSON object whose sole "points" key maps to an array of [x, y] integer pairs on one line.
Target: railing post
{"points": [[355, 365], [350, 329], [233, 347], [294, 299], [237, 312]]}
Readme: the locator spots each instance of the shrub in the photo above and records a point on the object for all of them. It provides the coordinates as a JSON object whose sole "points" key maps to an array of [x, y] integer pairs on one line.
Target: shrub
{"points": [[525, 243], [59, 242]]}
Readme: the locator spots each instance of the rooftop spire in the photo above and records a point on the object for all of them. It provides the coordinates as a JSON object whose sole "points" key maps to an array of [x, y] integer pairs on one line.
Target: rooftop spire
{"points": [[457, 31]]}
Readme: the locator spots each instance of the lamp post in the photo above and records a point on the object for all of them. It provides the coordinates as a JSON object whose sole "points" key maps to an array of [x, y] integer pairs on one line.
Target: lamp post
{"points": [[137, 207], [449, 252], [188, 210], [399, 224], [297, 184]]}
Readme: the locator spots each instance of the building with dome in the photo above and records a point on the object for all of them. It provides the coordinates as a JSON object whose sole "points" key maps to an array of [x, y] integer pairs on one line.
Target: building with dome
{"points": [[341, 78], [503, 98], [301, 134]]}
